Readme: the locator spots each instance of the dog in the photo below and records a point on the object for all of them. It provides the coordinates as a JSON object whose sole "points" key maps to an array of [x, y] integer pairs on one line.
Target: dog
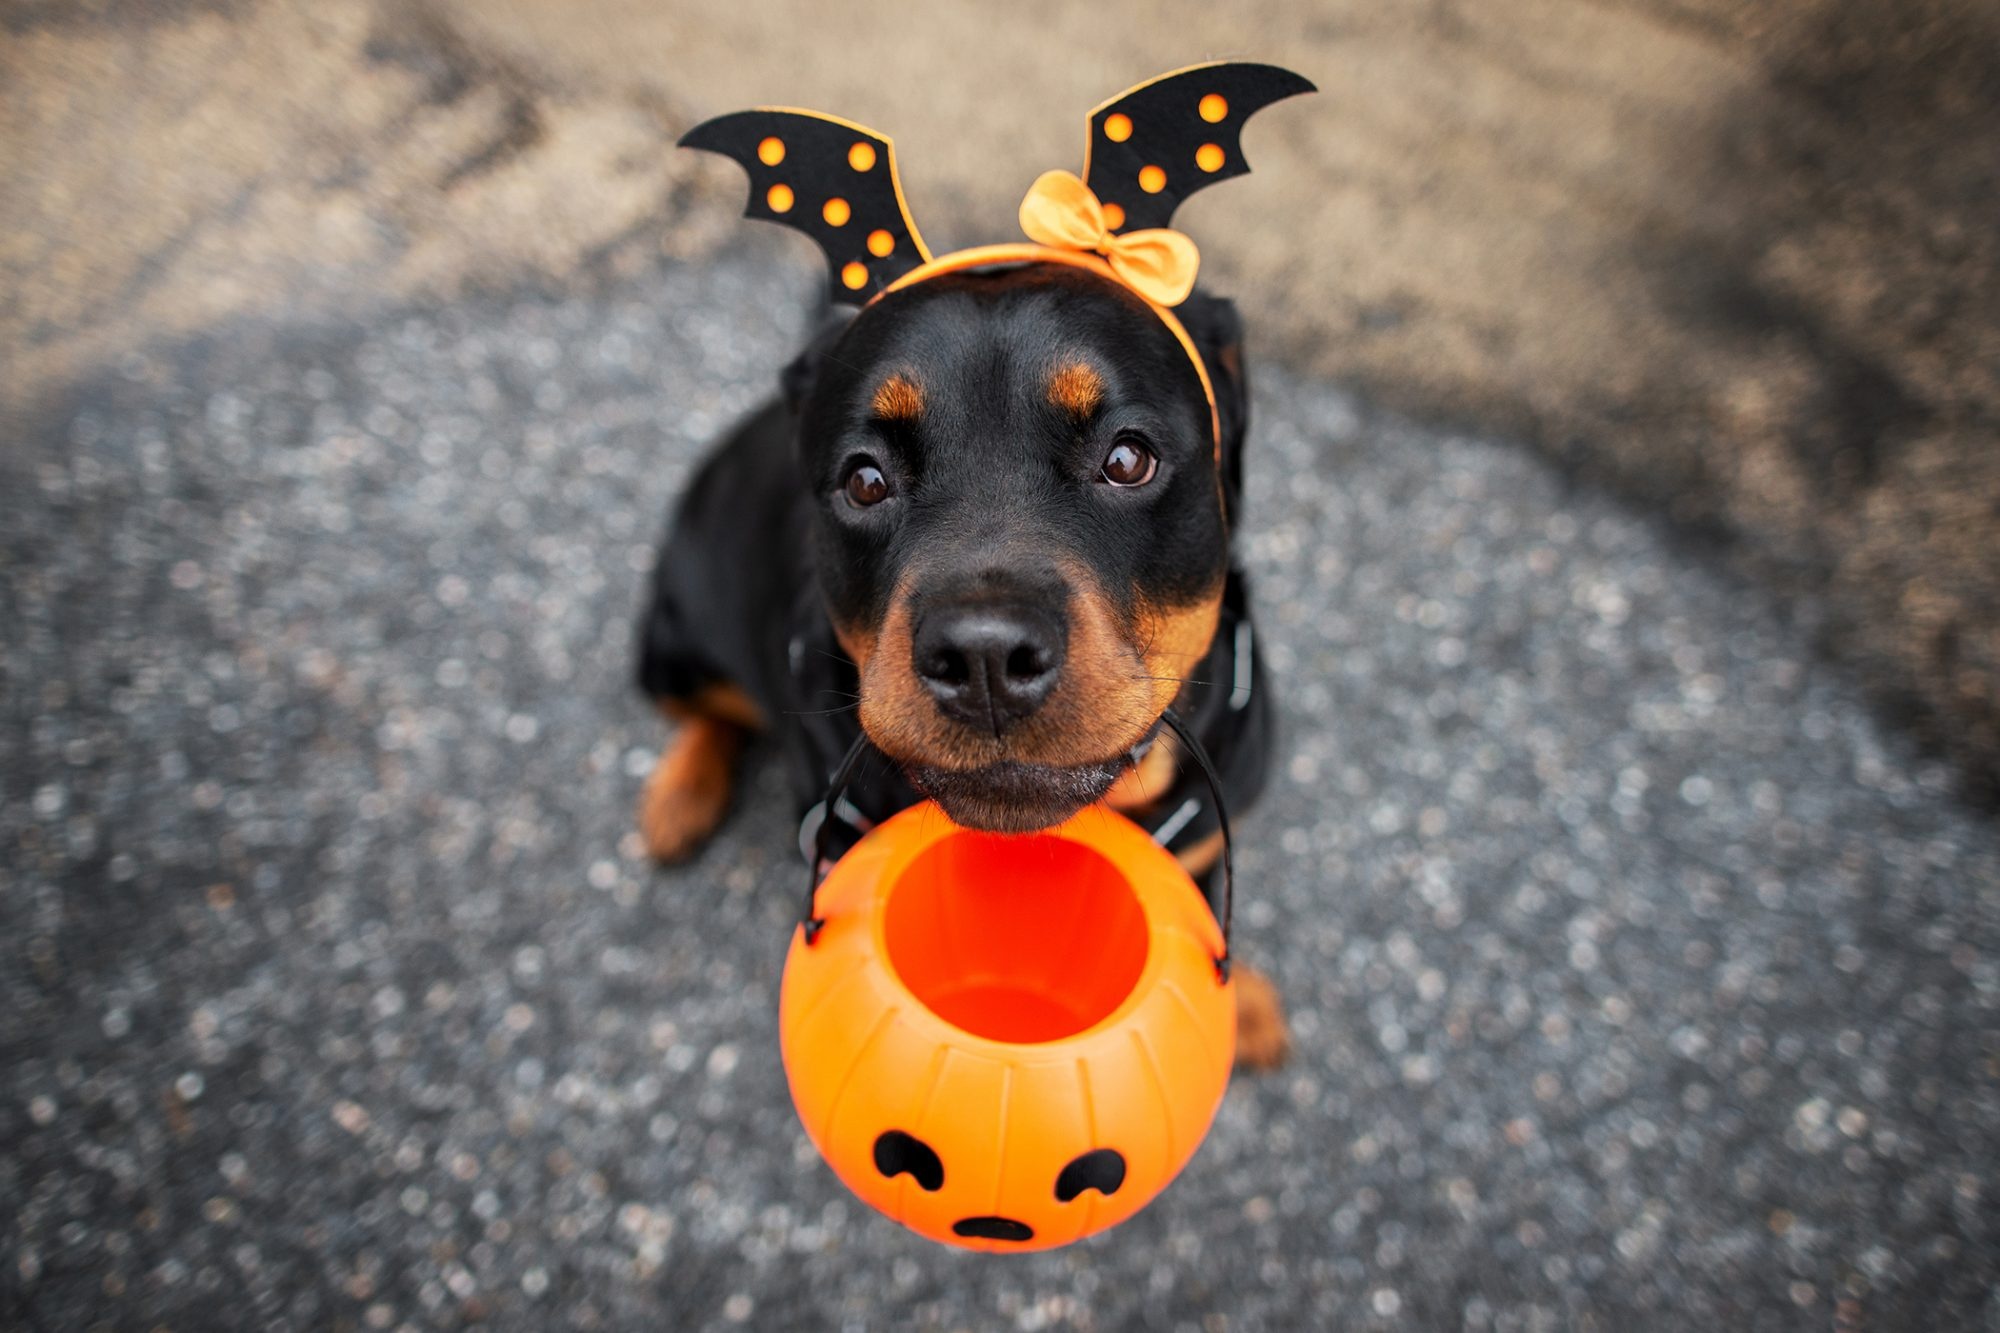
{"points": [[986, 523]]}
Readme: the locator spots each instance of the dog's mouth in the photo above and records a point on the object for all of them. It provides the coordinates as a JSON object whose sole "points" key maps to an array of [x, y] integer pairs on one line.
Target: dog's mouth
{"points": [[1015, 797]]}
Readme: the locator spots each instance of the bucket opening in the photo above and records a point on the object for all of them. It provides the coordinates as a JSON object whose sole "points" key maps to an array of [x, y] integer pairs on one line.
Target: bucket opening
{"points": [[1015, 939]]}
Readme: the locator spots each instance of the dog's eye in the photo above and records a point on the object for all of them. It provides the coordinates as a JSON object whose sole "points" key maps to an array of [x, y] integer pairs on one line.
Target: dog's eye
{"points": [[866, 485], [1130, 463]]}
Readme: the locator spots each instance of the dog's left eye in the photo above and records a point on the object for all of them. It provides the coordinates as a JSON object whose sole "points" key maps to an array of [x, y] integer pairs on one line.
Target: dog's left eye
{"points": [[866, 485], [1130, 463]]}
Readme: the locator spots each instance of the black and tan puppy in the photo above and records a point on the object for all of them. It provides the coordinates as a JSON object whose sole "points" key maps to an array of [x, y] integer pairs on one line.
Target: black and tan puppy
{"points": [[988, 524]]}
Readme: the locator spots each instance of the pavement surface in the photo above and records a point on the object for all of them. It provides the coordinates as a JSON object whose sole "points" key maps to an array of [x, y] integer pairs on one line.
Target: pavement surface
{"points": [[1637, 980]]}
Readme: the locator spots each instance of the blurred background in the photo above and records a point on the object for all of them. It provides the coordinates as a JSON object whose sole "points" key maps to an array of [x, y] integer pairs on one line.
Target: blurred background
{"points": [[1623, 512]]}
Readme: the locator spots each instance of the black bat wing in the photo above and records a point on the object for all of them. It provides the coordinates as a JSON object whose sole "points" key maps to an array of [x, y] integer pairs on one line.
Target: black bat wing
{"points": [[1154, 145], [829, 178]]}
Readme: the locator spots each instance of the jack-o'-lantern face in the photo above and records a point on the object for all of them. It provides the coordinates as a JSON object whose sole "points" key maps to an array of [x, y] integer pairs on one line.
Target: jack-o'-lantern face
{"points": [[1007, 1043], [1100, 1169]]}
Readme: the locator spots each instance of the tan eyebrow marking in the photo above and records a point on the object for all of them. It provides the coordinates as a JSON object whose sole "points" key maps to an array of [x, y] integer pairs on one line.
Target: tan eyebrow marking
{"points": [[899, 399], [1076, 388]]}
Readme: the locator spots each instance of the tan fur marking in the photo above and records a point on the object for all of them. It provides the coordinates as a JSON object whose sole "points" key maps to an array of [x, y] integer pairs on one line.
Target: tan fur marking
{"points": [[1174, 639], [899, 399], [1116, 681], [858, 644], [1146, 781], [1076, 388], [724, 701], [1262, 1040], [895, 708], [685, 798], [1231, 358], [1200, 858]]}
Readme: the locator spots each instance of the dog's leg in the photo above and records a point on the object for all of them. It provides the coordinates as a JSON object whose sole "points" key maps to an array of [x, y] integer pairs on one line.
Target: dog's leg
{"points": [[1262, 1041], [688, 793]]}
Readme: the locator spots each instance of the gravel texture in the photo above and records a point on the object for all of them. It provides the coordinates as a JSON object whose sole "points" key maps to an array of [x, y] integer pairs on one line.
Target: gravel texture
{"points": [[1637, 980]]}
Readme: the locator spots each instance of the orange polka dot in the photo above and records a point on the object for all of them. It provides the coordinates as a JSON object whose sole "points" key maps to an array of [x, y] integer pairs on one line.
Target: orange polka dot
{"points": [[1118, 127], [779, 197], [861, 157], [854, 276], [836, 212], [1152, 180], [1114, 217], [1214, 108], [772, 151], [880, 243], [1209, 157]]}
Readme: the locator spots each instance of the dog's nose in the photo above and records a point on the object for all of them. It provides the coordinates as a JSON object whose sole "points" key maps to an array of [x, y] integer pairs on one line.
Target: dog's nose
{"points": [[989, 666]]}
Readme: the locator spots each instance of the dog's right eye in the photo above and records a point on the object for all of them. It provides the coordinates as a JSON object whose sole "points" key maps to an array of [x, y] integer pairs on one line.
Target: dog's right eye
{"points": [[1131, 462], [866, 485]]}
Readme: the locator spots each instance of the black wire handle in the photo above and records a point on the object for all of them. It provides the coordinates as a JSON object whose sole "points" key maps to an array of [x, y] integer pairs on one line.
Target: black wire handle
{"points": [[1195, 751], [810, 920]]}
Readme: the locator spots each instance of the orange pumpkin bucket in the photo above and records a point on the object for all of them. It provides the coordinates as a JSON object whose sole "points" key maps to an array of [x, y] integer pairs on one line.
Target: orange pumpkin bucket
{"points": [[1002, 1042]]}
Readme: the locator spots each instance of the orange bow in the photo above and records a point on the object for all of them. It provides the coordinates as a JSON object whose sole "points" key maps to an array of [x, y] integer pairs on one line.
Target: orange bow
{"points": [[1158, 263]]}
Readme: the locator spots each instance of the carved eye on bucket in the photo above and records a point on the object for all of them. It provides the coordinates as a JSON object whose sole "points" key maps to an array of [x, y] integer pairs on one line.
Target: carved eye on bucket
{"points": [[897, 1152], [1100, 1169]]}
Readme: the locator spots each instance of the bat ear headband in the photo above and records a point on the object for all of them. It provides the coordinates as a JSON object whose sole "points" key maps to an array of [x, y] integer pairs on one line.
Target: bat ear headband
{"points": [[1149, 148]]}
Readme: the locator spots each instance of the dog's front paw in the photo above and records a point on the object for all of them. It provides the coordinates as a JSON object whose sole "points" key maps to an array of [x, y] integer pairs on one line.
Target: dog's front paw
{"points": [[1262, 1043], [688, 792]]}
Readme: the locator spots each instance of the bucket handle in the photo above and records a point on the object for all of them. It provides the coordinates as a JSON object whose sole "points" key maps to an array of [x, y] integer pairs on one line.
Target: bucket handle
{"points": [[811, 922], [1194, 749]]}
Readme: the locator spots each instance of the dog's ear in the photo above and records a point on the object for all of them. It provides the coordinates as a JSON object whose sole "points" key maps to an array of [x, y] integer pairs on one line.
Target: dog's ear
{"points": [[1217, 331], [796, 381]]}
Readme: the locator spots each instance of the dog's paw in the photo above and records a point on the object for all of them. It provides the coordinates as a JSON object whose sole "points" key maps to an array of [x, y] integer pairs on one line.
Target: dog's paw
{"points": [[1262, 1042], [688, 793]]}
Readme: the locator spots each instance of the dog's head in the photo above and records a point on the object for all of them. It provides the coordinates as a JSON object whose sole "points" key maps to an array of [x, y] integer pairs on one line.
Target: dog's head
{"points": [[1022, 521]]}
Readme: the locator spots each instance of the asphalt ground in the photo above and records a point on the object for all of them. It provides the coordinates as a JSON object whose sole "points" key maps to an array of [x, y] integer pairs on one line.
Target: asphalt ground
{"points": [[1637, 979]]}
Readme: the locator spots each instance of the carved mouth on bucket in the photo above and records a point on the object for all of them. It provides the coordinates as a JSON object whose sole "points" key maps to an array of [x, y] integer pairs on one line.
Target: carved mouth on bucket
{"points": [[1015, 939], [992, 1228]]}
